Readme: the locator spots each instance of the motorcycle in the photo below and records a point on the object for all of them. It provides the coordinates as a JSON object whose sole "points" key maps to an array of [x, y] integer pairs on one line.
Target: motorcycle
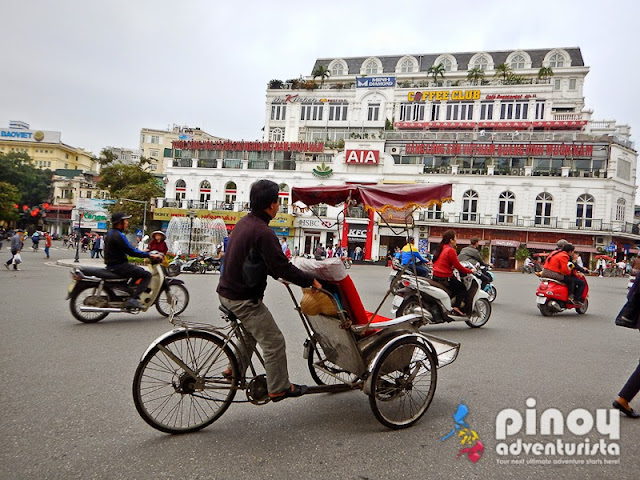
{"points": [[552, 297], [95, 292], [433, 301], [194, 265], [484, 273], [211, 263], [397, 270]]}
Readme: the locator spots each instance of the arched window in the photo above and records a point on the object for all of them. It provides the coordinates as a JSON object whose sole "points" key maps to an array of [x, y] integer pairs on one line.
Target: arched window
{"points": [[181, 190], [470, 206], [544, 201], [230, 192], [621, 206], [337, 68], [371, 67], [517, 61], [277, 135], [205, 191], [506, 203], [407, 66], [481, 62], [556, 60], [283, 197], [584, 211], [447, 64]]}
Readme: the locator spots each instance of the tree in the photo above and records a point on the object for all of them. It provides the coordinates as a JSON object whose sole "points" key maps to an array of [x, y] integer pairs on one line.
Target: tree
{"points": [[322, 72], [143, 192], [106, 157], [9, 197], [116, 177], [436, 71], [545, 73], [33, 184], [475, 75], [503, 70]]}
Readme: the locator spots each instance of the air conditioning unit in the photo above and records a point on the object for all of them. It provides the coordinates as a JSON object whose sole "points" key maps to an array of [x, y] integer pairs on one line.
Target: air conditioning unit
{"points": [[515, 171], [600, 249], [395, 150], [443, 169], [601, 241]]}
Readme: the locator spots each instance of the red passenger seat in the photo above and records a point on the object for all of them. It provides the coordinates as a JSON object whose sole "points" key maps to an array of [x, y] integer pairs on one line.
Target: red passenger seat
{"points": [[353, 305]]}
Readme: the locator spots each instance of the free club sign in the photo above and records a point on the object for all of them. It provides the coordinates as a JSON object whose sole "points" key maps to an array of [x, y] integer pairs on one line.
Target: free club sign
{"points": [[362, 157]]}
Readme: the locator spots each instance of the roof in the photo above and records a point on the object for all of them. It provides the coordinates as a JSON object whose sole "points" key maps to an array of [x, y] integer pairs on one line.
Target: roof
{"points": [[389, 62]]}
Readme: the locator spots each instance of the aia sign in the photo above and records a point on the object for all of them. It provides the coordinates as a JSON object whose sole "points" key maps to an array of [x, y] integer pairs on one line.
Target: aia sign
{"points": [[366, 157]]}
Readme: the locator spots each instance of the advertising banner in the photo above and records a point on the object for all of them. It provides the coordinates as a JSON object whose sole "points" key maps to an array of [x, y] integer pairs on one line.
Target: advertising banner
{"points": [[375, 82]]}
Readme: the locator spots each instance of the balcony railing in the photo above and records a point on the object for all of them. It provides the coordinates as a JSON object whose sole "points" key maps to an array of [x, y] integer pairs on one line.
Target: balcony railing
{"points": [[207, 163], [284, 165], [182, 162], [258, 165], [232, 163]]}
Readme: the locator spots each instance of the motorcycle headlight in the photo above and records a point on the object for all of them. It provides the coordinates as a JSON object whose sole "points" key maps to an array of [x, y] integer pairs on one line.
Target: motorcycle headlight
{"points": [[173, 270]]}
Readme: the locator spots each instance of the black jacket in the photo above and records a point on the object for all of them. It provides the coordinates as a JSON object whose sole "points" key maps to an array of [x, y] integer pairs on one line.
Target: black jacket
{"points": [[470, 254], [117, 247], [253, 232]]}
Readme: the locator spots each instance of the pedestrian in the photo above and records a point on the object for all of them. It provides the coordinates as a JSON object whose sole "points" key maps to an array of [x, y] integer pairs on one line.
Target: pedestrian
{"points": [[357, 252], [629, 317], [252, 254], [16, 248], [296, 251], [47, 243], [284, 245], [100, 241], [94, 247], [601, 265]]}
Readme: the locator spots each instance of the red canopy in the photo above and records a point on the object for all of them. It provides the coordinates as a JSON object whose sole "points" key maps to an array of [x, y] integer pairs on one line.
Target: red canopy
{"points": [[377, 197]]}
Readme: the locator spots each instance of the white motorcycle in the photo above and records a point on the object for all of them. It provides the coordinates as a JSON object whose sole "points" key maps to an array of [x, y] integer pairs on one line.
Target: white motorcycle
{"points": [[433, 301]]}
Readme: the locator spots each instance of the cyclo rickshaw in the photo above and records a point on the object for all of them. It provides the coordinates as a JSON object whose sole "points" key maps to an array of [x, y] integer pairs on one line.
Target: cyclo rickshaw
{"points": [[188, 377]]}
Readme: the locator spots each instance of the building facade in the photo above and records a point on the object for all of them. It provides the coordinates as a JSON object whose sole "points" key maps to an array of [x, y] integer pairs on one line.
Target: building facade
{"points": [[510, 130], [125, 156], [45, 148]]}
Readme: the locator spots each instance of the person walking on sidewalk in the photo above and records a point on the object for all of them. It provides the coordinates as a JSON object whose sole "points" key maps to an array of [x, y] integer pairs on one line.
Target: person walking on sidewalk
{"points": [[16, 247], [47, 243]]}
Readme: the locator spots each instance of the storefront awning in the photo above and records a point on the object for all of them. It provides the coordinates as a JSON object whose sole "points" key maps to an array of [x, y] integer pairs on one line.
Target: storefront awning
{"points": [[505, 243], [586, 249], [542, 246]]}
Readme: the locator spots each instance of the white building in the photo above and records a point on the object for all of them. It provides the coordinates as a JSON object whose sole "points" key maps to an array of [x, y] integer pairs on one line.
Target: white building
{"points": [[510, 131], [125, 156]]}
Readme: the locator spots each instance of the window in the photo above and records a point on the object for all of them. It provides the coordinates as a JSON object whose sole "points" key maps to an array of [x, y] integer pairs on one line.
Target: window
{"points": [[154, 153], [447, 64], [459, 111], [230, 191], [205, 191], [517, 61], [371, 67], [411, 112], [407, 66], [88, 194], [543, 209], [584, 210], [67, 194], [433, 213], [506, 202], [435, 112], [374, 111], [482, 63], [539, 109], [338, 111], [283, 197], [278, 112], [486, 111], [620, 209], [337, 69], [557, 84], [572, 84], [514, 110], [181, 190], [556, 60], [277, 135], [311, 111], [470, 206]]}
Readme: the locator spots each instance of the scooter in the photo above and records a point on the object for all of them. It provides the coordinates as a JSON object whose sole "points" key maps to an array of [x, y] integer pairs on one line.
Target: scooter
{"points": [[552, 297], [434, 302], [95, 292], [211, 263], [194, 265], [484, 273], [398, 270]]}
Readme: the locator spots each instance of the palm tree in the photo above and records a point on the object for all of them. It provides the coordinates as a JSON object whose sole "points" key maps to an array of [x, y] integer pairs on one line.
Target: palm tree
{"points": [[545, 73], [322, 72], [503, 70], [435, 71], [476, 74]]}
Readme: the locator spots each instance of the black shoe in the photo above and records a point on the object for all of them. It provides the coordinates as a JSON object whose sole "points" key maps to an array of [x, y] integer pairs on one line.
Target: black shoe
{"points": [[629, 412], [133, 303], [293, 392]]}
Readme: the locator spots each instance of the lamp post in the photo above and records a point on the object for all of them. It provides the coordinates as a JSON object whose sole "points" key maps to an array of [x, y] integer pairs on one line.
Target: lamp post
{"points": [[144, 215], [191, 214], [77, 259]]}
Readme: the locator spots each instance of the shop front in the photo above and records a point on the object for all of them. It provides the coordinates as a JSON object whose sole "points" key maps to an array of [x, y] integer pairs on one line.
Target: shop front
{"points": [[503, 254], [310, 232], [357, 240]]}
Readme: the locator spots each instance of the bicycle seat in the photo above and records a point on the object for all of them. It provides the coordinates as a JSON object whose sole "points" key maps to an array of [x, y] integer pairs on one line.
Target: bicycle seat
{"points": [[100, 273], [228, 313]]}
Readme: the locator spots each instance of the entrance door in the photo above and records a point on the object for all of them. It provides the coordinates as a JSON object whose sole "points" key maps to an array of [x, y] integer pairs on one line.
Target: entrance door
{"points": [[311, 241]]}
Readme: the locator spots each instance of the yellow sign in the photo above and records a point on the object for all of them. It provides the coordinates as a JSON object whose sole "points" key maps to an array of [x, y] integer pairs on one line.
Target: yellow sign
{"points": [[439, 96], [229, 218]]}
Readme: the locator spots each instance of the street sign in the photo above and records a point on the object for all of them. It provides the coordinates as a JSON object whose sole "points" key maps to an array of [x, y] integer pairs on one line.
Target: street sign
{"points": [[138, 233]]}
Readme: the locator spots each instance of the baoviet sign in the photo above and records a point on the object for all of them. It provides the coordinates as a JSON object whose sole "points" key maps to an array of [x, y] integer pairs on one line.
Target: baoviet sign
{"points": [[501, 150], [364, 157]]}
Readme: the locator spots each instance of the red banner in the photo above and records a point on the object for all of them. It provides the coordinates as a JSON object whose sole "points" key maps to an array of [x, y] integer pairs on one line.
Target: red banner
{"points": [[501, 149], [249, 146]]}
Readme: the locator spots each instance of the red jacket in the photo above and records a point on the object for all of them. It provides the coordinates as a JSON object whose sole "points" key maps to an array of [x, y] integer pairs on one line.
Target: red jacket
{"points": [[558, 262], [160, 246], [446, 262]]}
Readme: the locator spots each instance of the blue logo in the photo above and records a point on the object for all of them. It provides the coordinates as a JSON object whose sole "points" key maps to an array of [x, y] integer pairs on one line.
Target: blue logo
{"points": [[375, 82]]}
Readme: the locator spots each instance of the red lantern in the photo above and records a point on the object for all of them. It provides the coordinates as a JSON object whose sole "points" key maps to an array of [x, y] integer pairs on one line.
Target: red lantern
{"points": [[46, 206], [34, 213], [25, 207], [16, 206]]}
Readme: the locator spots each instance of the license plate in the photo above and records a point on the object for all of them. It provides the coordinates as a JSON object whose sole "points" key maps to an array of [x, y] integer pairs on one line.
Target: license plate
{"points": [[397, 301], [541, 300], [71, 285]]}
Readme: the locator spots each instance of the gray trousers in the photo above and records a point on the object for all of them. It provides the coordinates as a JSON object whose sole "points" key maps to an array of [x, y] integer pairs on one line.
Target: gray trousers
{"points": [[258, 321]]}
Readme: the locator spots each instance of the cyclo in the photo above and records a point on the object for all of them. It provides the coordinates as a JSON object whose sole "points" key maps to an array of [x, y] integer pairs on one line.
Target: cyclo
{"points": [[188, 377]]}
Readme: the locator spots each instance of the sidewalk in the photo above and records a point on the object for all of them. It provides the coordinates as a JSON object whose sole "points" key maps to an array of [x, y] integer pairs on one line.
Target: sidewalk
{"points": [[84, 262]]}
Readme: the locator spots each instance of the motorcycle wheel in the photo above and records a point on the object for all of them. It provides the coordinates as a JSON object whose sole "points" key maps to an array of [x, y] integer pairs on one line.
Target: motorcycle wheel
{"points": [[408, 305], [546, 310], [585, 305], [493, 293], [177, 292], [203, 269], [81, 296], [317, 361], [481, 314]]}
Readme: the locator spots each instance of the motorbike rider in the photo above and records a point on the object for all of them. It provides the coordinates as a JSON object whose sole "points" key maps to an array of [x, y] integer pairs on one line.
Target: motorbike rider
{"points": [[410, 254], [116, 249], [252, 253], [445, 260], [158, 243], [558, 267], [471, 254]]}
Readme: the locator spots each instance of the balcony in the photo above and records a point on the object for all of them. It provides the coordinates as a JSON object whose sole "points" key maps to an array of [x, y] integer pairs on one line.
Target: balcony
{"points": [[357, 212], [182, 162], [207, 163], [284, 165], [232, 163], [258, 165]]}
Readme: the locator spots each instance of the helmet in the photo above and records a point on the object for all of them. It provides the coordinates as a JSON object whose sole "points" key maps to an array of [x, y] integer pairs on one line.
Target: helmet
{"points": [[561, 243]]}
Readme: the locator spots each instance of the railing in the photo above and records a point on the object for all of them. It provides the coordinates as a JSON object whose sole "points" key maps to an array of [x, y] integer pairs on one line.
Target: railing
{"points": [[182, 162], [232, 163], [482, 136], [207, 163], [284, 165], [357, 212], [258, 165], [563, 117]]}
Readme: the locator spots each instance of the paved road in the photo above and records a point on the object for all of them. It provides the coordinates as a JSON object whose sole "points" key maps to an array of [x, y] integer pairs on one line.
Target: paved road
{"points": [[68, 410]]}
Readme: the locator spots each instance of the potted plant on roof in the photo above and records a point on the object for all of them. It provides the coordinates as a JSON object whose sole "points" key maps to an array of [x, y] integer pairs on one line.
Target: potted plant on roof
{"points": [[322, 72], [275, 84]]}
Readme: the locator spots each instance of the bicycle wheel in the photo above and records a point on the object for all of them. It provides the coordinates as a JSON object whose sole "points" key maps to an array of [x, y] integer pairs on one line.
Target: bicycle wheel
{"points": [[169, 399], [178, 293], [85, 296], [403, 384], [317, 361]]}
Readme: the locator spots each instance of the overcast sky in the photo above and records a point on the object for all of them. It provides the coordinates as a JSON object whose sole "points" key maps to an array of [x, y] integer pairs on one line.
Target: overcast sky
{"points": [[99, 71]]}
